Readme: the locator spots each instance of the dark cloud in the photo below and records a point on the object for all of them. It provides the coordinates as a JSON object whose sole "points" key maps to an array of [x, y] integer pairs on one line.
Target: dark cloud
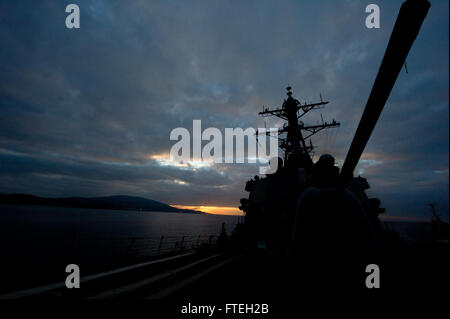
{"points": [[85, 112]]}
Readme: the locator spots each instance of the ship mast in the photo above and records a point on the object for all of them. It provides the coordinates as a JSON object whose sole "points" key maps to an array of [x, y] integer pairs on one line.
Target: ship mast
{"points": [[295, 141]]}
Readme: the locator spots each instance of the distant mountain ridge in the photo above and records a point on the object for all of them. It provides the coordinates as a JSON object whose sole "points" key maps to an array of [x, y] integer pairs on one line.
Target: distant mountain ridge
{"points": [[119, 202]]}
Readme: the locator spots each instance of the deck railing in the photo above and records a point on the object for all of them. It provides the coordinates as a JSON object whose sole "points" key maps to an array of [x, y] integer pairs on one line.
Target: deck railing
{"points": [[140, 247]]}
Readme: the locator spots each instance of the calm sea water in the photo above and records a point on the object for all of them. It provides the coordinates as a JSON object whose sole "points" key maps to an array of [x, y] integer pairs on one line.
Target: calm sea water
{"points": [[412, 232], [41, 221], [45, 237], [53, 231]]}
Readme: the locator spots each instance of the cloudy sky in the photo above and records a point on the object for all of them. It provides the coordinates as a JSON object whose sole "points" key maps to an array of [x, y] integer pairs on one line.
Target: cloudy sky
{"points": [[89, 111]]}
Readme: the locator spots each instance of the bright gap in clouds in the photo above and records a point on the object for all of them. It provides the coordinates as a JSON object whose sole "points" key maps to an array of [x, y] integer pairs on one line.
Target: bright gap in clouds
{"points": [[165, 160]]}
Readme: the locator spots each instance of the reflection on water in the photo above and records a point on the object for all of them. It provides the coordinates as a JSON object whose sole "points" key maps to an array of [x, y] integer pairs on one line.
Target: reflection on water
{"points": [[39, 220], [45, 238]]}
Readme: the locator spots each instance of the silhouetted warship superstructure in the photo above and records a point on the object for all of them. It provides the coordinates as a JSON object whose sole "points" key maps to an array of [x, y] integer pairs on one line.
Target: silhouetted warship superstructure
{"points": [[273, 209], [313, 208]]}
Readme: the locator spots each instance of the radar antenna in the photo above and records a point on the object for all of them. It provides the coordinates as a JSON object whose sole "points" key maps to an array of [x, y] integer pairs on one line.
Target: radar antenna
{"points": [[297, 131]]}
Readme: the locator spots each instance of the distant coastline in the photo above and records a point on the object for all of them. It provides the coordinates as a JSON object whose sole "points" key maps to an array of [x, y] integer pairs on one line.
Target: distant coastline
{"points": [[119, 202]]}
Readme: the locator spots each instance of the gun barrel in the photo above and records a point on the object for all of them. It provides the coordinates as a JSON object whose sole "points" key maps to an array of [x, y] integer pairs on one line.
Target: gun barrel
{"points": [[409, 20]]}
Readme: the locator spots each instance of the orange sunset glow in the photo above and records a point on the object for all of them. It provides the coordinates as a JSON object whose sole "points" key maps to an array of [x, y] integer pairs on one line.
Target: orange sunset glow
{"points": [[216, 210]]}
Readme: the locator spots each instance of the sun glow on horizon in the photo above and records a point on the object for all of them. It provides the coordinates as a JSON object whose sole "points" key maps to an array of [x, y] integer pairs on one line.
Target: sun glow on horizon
{"points": [[215, 210]]}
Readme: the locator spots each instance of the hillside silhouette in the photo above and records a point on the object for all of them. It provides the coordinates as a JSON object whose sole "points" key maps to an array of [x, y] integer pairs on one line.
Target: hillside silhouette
{"points": [[119, 202]]}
